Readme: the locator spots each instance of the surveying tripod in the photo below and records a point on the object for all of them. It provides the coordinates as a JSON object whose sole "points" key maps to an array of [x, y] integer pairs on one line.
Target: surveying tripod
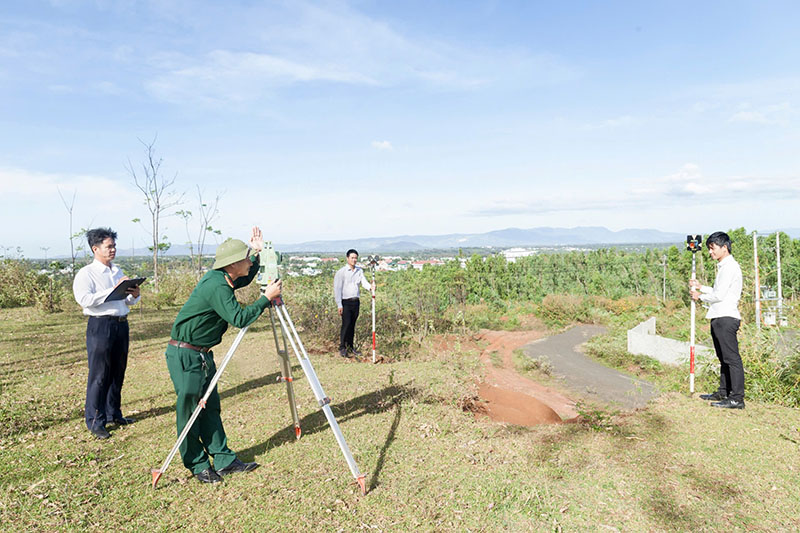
{"points": [[268, 272]]}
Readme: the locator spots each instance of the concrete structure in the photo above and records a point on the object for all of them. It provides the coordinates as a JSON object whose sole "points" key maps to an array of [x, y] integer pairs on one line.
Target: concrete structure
{"points": [[642, 340]]}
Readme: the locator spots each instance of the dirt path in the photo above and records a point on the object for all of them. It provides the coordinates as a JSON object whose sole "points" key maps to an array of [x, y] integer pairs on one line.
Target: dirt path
{"points": [[586, 377], [511, 398]]}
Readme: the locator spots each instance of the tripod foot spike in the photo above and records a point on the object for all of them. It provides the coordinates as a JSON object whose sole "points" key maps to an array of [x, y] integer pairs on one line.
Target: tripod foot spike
{"points": [[362, 482], [297, 432], [156, 476]]}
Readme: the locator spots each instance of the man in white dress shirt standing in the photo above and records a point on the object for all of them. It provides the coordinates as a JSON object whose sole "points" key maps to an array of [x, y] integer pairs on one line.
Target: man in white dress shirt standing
{"points": [[723, 312], [106, 332], [346, 293]]}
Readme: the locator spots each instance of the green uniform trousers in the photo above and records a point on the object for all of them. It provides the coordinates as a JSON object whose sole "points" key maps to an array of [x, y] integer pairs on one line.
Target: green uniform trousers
{"points": [[191, 373]]}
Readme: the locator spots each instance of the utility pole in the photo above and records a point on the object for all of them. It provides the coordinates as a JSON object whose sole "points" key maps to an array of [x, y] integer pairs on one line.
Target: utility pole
{"points": [[758, 283], [664, 282], [781, 318]]}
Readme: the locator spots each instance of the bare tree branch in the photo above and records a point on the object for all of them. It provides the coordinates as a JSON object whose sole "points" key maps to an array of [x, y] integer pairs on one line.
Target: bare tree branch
{"points": [[158, 196], [69, 207]]}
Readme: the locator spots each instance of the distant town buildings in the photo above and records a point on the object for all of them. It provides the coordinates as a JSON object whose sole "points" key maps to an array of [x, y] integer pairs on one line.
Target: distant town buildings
{"points": [[512, 254]]}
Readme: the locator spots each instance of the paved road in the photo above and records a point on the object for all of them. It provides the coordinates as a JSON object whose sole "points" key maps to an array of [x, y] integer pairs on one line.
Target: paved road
{"points": [[588, 378]]}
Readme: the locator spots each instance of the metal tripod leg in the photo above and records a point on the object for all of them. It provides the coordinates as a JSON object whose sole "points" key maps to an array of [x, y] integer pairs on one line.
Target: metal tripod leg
{"points": [[200, 406], [286, 372], [290, 332]]}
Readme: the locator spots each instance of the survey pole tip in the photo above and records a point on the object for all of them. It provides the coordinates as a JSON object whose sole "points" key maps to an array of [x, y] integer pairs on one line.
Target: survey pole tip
{"points": [[362, 482], [297, 431], [156, 476]]}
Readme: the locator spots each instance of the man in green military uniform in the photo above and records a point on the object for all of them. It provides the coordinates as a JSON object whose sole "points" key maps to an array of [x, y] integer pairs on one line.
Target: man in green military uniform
{"points": [[198, 327]]}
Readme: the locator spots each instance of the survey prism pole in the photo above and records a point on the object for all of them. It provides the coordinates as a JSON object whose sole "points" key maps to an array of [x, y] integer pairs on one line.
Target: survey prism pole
{"points": [[692, 334], [373, 319], [693, 243], [200, 406], [290, 332], [757, 295], [373, 261]]}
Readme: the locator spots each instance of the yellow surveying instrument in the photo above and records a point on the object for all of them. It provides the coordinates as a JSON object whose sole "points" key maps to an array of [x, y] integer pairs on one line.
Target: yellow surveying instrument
{"points": [[269, 260]]}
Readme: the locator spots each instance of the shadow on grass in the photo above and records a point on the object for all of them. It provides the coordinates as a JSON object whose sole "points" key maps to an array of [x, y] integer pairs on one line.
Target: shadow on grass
{"points": [[375, 402], [669, 509], [664, 500], [46, 421], [382, 456], [263, 381]]}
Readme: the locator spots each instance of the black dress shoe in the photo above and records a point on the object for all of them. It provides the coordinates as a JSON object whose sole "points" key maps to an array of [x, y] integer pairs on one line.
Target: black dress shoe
{"points": [[100, 433], [729, 404], [355, 352], [343, 352], [237, 466], [714, 397], [208, 476], [124, 421]]}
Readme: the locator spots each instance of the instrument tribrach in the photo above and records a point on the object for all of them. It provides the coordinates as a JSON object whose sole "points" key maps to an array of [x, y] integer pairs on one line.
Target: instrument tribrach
{"points": [[267, 273]]}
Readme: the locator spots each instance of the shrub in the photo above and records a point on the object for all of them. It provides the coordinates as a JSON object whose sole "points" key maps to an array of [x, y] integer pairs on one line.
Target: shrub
{"points": [[18, 283]]}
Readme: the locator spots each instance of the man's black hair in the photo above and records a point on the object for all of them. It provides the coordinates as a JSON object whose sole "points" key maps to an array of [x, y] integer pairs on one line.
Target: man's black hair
{"points": [[720, 238], [96, 236], [351, 251]]}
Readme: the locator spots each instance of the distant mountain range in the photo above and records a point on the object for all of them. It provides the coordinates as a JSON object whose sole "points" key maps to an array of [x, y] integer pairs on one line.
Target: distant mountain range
{"points": [[545, 236], [505, 238]]}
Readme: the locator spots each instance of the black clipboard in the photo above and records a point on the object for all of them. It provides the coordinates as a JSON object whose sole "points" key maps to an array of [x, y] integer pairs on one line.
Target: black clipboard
{"points": [[120, 292]]}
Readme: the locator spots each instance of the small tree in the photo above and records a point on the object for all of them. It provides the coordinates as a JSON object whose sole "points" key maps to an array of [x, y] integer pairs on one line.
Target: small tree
{"points": [[72, 235], [158, 197], [207, 213]]}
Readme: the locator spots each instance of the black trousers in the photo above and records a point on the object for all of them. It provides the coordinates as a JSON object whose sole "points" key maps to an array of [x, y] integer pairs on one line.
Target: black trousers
{"points": [[350, 309], [107, 347], [731, 371]]}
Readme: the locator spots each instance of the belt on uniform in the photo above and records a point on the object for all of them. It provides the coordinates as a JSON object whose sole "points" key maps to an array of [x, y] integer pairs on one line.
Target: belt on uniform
{"points": [[114, 318], [181, 344]]}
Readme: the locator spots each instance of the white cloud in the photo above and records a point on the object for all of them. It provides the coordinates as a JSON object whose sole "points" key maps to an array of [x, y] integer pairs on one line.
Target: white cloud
{"points": [[749, 116], [102, 193], [382, 145], [304, 42], [689, 186], [617, 122], [767, 114], [229, 76]]}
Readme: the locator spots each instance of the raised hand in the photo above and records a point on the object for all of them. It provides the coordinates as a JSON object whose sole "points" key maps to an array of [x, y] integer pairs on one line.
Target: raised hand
{"points": [[256, 240]]}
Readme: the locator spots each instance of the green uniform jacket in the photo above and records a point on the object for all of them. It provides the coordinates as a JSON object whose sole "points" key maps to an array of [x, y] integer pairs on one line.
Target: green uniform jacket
{"points": [[205, 316]]}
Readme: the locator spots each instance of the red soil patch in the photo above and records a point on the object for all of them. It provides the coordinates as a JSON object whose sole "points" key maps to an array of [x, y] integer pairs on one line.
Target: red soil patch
{"points": [[514, 399]]}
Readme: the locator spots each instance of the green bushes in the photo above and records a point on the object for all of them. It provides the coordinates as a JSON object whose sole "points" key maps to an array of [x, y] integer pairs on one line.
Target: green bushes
{"points": [[769, 376], [612, 287], [175, 281], [18, 284], [21, 286]]}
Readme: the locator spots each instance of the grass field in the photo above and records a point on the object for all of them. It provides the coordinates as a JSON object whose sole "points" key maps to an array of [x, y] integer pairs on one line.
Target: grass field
{"points": [[676, 466]]}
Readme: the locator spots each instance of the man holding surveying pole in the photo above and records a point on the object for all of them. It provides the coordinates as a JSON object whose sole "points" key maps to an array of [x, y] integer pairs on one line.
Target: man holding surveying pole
{"points": [[725, 319], [199, 326], [346, 293]]}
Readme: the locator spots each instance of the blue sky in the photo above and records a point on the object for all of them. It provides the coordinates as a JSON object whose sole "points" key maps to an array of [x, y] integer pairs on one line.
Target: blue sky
{"points": [[337, 120]]}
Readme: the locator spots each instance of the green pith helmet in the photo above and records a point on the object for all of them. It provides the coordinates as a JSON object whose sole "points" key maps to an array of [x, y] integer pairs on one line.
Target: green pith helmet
{"points": [[229, 252]]}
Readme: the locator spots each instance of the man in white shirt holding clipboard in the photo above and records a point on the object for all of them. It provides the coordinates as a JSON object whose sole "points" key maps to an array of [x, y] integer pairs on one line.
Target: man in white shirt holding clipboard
{"points": [[106, 331]]}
